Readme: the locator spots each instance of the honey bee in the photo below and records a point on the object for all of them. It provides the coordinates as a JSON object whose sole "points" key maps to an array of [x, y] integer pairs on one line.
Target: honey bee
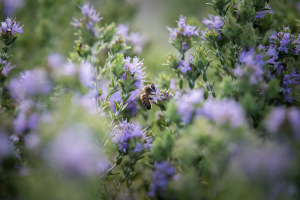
{"points": [[145, 95]]}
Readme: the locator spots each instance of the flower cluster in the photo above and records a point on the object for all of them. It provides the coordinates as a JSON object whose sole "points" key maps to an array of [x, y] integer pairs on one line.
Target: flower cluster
{"points": [[162, 174], [10, 27], [253, 69], [282, 45], [5, 67], [186, 105], [30, 84], [180, 37], [284, 120], [214, 22], [90, 17], [130, 138], [74, 152], [283, 42], [136, 71], [134, 38], [226, 111]]}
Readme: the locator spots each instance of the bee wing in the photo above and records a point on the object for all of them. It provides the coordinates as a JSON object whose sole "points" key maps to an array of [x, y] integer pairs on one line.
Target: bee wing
{"points": [[138, 95]]}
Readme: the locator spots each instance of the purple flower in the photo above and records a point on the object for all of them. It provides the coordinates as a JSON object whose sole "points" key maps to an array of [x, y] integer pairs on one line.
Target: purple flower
{"points": [[184, 47], [74, 152], [173, 34], [289, 82], [6, 147], [162, 174], [214, 22], [136, 70], [138, 42], [10, 6], [32, 141], [185, 105], [125, 134], [266, 162], [280, 119], [122, 30], [190, 31], [226, 111], [253, 69], [181, 21], [55, 60], [184, 66], [10, 27], [29, 84], [261, 14], [6, 67], [87, 74], [89, 11], [285, 42], [183, 29]]}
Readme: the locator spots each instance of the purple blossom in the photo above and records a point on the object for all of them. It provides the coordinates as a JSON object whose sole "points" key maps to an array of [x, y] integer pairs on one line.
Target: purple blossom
{"points": [[226, 111], [90, 12], [261, 14], [268, 162], [162, 174], [253, 69], [138, 42], [87, 74], [136, 70], [184, 66], [190, 31], [184, 47], [181, 21], [183, 29], [30, 83], [126, 133], [6, 67], [122, 30], [214, 22], [10, 6], [6, 147], [32, 141], [10, 27], [185, 105], [280, 118], [74, 152], [285, 42], [55, 60], [289, 82]]}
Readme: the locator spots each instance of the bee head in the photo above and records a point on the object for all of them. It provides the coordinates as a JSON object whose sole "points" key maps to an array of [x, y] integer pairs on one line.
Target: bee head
{"points": [[153, 87]]}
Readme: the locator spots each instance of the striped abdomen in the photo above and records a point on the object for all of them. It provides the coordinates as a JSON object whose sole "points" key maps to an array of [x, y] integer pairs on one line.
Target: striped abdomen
{"points": [[145, 100]]}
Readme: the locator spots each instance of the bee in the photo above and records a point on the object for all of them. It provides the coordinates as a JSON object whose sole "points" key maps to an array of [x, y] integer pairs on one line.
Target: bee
{"points": [[145, 95]]}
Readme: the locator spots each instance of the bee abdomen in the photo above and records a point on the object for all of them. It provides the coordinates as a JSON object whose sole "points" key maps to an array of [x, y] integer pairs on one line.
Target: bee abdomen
{"points": [[146, 102]]}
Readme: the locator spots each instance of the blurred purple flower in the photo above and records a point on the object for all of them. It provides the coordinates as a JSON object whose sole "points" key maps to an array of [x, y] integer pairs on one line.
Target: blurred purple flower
{"points": [[6, 147], [184, 47], [30, 83], [214, 22], [122, 30], [162, 174], [253, 69], [10, 6], [261, 14], [74, 152], [266, 163], [280, 118], [6, 67], [32, 141], [224, 111], [185, 105], [138, 42], [87, 74], [55, 60], [184, 66]]}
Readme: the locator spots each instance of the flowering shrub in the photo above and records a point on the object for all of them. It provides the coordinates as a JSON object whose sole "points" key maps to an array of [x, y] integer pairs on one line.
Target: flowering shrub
{"points": [[224, 122]]}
